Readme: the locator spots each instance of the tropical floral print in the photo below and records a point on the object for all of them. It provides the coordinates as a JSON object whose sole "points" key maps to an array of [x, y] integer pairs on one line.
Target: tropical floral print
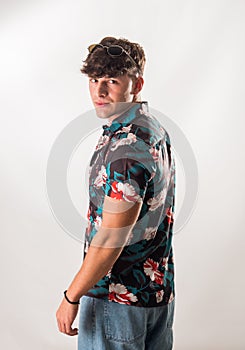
{"points": [[151, 270], [132, 162], [97, 222], [159, 296], [124, 129], [101, 177], [131, 138], [150, 232], [156, 202], [155, 153], [124, 191], [120, 294], [104, 139], [170, 215]]}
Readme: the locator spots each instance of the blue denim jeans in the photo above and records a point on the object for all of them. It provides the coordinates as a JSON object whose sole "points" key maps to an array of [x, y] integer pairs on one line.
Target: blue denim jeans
{"points": [[105, 325]]}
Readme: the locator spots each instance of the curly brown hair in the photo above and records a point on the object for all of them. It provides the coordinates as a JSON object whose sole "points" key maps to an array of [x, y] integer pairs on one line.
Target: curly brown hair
{"points": [[99, 63]]}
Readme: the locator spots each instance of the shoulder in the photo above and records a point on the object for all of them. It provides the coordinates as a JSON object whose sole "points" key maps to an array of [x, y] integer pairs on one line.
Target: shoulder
{"points": [[145, 128]]}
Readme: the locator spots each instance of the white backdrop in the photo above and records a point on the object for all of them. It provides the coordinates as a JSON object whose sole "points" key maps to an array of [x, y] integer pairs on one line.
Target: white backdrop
{"points": [[195, 75]]}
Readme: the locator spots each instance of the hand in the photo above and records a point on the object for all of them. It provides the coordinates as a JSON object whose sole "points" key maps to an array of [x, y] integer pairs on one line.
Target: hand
{"points": [[65, 316]]}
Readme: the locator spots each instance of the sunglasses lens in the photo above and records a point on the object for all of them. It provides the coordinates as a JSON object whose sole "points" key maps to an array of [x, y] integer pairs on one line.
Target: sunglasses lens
{"points": [[115, 50]]}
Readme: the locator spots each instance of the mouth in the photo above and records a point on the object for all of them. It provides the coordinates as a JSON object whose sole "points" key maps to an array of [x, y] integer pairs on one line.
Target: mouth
{"points": [[101, 104]]}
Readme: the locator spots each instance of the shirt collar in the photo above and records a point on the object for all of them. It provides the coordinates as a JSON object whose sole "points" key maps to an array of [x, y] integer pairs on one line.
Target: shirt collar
{"points": [[125, 118]]}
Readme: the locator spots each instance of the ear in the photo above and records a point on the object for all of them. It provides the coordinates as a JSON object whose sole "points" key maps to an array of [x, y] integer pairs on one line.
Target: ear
{"points": [[137, 85]]}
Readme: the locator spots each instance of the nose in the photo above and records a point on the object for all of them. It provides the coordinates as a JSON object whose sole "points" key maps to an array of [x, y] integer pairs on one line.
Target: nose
{"points": [[102, 90]]}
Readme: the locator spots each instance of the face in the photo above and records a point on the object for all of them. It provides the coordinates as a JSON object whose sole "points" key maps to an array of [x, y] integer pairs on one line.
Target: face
{"points": [[111, 96]]}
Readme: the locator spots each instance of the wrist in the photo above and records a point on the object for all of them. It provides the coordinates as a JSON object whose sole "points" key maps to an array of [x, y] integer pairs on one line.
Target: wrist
{"points": [[70, 300]]}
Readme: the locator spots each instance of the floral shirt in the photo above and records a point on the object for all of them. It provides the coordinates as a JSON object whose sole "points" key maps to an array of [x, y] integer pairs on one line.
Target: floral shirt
{"points": [[133, 161]]}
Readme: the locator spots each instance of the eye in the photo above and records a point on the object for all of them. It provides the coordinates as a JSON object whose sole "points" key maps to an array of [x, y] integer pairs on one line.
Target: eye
{"points": [[93, 80], [113, 81]]}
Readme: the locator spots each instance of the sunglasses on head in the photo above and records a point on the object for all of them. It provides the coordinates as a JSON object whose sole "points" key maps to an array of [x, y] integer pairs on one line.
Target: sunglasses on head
{"points": [[113, 51]]}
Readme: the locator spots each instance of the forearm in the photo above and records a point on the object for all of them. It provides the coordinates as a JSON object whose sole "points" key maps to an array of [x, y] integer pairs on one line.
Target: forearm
{"points": [[97, 263], [106, 246]]}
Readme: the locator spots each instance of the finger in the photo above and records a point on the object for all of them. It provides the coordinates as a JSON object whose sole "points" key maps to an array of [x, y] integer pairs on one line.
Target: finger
{"points": [[71, 331], [62, 328], [59, 326]]}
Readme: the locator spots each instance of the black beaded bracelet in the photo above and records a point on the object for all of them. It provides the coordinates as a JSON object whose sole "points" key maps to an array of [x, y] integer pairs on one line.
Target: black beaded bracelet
{"points": [[71, 302]]}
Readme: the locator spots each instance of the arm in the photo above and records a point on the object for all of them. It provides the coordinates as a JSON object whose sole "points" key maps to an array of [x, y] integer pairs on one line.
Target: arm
{"points": [[118, 219]]}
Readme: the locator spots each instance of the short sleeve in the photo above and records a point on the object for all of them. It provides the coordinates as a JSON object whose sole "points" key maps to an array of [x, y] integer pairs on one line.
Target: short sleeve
{"points": [[129, 168]]}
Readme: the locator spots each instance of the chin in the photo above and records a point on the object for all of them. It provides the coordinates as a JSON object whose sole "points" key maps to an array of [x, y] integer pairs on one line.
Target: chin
{"points": [[111, 109], [105, 112]]}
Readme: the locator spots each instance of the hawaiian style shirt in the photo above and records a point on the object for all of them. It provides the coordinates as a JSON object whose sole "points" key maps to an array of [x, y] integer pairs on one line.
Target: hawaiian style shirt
{"points": [[133, 161]]}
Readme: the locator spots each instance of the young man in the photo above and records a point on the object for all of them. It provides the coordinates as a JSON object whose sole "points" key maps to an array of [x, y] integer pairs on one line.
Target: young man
{"points": [[126, 282]]}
